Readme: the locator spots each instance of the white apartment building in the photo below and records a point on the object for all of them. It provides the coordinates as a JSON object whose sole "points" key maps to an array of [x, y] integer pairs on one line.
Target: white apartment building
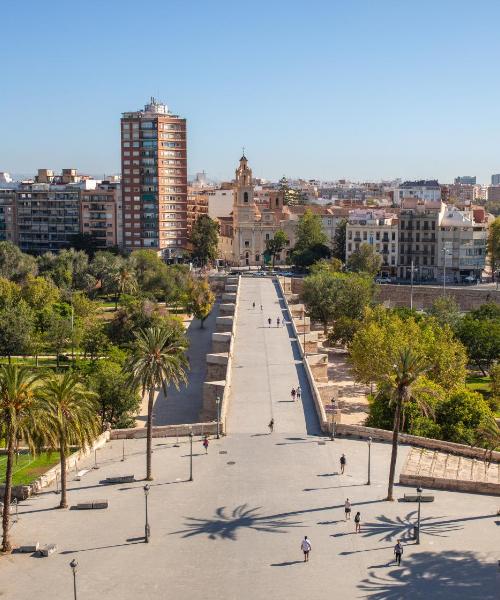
{"points": [[220, 203], [462, 245], [377, 228], [429, 190]]}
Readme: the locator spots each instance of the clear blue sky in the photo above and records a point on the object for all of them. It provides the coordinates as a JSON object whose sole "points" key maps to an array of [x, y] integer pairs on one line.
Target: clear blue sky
{"points": [[362, 89]]}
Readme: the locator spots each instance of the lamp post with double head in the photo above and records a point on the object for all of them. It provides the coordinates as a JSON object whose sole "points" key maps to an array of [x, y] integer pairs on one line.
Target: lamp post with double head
{"points": [[419, 500], [334, 408], [217, 402], [147, 531], [73, 564], [446, 252]]}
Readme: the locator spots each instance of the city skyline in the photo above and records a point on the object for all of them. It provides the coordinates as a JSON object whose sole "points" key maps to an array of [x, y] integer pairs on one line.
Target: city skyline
{"points": [[323, 91]]}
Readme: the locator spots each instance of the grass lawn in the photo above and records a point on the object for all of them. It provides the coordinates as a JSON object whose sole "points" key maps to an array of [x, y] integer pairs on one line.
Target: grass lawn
{"points": [[478, 383], [27, 467]]}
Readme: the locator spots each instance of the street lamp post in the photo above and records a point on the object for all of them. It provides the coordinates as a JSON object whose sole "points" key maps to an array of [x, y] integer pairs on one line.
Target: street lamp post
{"points": [[445, 252], [190, 456], [73, 564], [304, 331], [217, 402], [123, 450], [147, 531], [419, 500], [96, 466], [334, 407], [369, 460]]}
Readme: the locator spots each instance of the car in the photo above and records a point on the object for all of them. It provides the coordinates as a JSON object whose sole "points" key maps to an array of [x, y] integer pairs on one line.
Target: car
{"points": [[383, 279], [470, 279]]}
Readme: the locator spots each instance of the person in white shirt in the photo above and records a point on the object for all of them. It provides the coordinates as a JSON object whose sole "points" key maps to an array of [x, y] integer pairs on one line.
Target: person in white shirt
{"points": [[306, 548], [347, 508]]}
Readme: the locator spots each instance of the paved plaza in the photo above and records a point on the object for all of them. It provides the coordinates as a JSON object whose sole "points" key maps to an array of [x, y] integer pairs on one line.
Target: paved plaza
{"points": [[235, 531]]}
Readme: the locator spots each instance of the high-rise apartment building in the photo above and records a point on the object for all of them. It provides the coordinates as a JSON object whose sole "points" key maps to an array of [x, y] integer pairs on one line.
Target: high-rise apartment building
{"points": [[495, 179], [154, 180]]}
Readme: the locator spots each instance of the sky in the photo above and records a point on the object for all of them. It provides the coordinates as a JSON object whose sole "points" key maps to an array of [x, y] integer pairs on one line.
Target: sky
{"points": [[359, 89]]}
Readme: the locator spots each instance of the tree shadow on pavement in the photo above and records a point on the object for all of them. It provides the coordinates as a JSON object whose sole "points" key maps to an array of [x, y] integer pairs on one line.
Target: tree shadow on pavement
{"points": [[402, 528], [225, 524], [440, 576]]}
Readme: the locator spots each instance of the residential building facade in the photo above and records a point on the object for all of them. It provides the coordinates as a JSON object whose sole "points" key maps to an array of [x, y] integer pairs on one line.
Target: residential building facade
{"points": [[377, 228], [420, 190], [154, 180], [101, 214]]}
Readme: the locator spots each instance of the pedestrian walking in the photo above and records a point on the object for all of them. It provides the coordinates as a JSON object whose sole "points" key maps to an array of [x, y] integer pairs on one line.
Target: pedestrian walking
{"points": [[357, 522], [271, 425], [293, 394], [343, 462], [253, 304], [306, 548], [398, 551], [277, 322], [205, 444], [298, 392], [283, 322], [347, 509], [261, 307], [269, 320]]}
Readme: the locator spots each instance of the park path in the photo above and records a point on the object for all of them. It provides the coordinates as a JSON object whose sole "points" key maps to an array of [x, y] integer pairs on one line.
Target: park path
{"points": [[266, 366]]}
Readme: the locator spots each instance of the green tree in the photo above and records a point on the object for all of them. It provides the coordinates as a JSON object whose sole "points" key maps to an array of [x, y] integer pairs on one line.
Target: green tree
{"points": [[10, 292], [205, 239], [95, 342], [14, 264], [157, 361], [481, 337], [446, 311], [67, 269], [20, 420], [383, 334], [332, 265], [201, 300], [40, 292], [461, 415], [118, 402], [339, 240], [309, 232], [148, 268], [124, 282], [58, 335], [70, 411], [365, 260], [330, 296], [16, 328], [276, 244], [104, 267], [494, 244], [400, 382]]}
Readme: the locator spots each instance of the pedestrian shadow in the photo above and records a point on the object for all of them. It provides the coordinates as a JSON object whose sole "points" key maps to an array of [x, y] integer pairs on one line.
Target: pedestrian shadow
{"points": [[438, 575], [327, 474], [288, 563]]}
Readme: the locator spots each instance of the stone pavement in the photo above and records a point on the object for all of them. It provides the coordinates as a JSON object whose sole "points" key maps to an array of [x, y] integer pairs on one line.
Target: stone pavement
{"points": [[234, 532]]}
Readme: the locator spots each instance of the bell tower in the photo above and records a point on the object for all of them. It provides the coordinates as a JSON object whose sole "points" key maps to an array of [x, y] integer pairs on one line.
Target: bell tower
{"points": [[243, 200]]}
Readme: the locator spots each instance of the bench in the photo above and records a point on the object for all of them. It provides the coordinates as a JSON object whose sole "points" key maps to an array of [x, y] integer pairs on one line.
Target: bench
{"points": [[29, 548], [47, 550], [414, 498], [119, 479], [92, 505]]}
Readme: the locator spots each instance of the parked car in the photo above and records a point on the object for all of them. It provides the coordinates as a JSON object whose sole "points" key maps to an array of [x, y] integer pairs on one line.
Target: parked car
{"points": [[383, 279]]}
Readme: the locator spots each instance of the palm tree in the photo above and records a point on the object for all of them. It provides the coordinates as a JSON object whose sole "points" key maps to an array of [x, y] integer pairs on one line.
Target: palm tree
{"points": [[21, 420], [124, 282], [71, 416], [401, 380], [488, 436], [158, 359]]}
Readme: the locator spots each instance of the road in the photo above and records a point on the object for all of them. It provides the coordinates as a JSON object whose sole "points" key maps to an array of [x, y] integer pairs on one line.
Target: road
{"points": [[234, 533]]}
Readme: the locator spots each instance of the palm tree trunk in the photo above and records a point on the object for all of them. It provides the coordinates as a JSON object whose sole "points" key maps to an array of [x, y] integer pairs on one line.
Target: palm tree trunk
{"points": [[64, 500], [394, 453], [6, 545], [149, 445]]}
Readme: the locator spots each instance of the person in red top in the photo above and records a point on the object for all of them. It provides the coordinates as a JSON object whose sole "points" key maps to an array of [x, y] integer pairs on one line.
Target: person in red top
{"points": [[205, 444]]}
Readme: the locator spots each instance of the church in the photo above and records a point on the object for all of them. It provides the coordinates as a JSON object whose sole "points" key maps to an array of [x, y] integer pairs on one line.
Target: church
{"points": [[255, 220]]}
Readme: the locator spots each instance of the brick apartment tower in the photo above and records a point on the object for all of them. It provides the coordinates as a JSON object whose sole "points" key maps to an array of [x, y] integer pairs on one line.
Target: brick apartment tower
{"points": [[154, 180]]}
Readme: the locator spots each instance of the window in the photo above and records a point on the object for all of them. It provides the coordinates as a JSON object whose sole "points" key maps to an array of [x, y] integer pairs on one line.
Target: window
{"points": [[245, 197], [364, 235], [377, 235], [349, 235], [267, 236], [257, 257], [247, 244], [393, 236]]}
